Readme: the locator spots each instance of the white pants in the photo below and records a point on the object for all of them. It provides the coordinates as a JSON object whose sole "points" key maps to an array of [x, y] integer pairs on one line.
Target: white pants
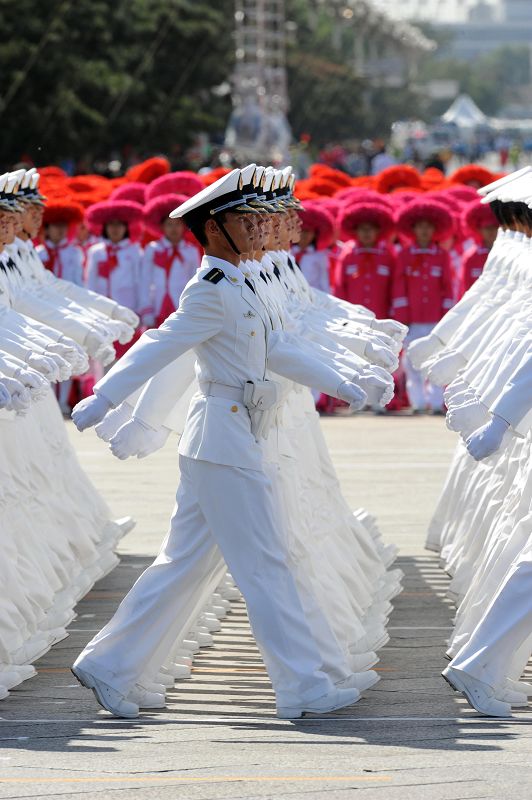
{"points": [[227, 509], [500, 644], [421, 393]]}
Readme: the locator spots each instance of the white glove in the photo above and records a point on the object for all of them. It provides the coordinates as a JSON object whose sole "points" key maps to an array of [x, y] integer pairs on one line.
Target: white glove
{"points": [[155, 442], [422, 349], [391, 327], [65, 369], [126, 315], [488, 439], [34, 381], [20, 398], [106, 354], [379, 390], [90, 411], [114, 420], [94, 341], [5, 397], [45, 365], [445, 369], [126, 334], [381, 356], [73, 353], [131, 439], [352, 394]]}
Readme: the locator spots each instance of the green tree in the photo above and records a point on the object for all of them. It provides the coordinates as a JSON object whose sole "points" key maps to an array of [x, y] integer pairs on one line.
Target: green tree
{"points": [[86, 76]]}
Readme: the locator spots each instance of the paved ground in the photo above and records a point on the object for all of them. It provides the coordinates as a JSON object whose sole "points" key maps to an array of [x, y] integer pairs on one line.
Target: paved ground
{"points": [[409, 737]]}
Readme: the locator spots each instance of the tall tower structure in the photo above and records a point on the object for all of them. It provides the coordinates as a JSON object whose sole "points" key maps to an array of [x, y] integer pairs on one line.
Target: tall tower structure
{"points": [[258, 128]]}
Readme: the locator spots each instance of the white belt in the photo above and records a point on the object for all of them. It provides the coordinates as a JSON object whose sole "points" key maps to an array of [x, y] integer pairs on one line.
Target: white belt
{"points": [[211, 389]]}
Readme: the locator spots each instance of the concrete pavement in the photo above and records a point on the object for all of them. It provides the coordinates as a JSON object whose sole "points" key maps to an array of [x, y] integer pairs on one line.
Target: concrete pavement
{"points": [[408, 737]]}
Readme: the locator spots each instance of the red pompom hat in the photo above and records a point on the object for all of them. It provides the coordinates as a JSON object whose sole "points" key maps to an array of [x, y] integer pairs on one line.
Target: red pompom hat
{"points": [[148, 170], [429, 210], [211, 177], [355, 215], [476, 215], [465, 194], [62, 211], [184, 182], [317, 219], [472, 174], [160, 207], [324, 172], [134, 190], [126, 211], [371, 197], [397, 176]]}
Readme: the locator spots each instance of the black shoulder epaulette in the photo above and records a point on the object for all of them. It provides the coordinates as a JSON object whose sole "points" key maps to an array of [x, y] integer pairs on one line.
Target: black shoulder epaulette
{"points": [[214, 276], [277, 272]]}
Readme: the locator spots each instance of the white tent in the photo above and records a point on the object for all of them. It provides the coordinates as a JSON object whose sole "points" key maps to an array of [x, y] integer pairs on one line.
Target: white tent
{"points": [[464, 113]]}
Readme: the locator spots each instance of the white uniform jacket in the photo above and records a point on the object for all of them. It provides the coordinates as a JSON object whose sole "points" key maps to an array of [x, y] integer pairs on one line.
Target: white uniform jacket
{"points": [[227, 325]]}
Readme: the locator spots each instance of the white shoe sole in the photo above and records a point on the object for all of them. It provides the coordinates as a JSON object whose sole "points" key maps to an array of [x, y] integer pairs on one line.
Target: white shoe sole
{"points": [[297, 713], [85, 680]]}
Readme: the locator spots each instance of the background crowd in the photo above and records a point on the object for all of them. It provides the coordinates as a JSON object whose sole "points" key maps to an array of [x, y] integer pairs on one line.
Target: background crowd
{"points": [[405, 243]]}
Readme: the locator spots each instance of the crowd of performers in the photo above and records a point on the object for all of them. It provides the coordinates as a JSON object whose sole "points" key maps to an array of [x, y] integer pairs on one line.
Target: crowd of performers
{"points": [[404, 244], [82, 273], [481, 351], [52, 328]]}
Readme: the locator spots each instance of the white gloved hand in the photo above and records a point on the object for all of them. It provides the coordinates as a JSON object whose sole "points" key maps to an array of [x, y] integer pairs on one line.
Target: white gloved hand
{"points": [[352, 394], [65, 369], [45, 365], [114, 420], [381, 356], [391, 327], [126, 315], [73, 353], [5, 397], [20, 397], [422, 349], [34, 381], [155, 442], [90, 411], [106, 354], [379, 390], [445, 369], [94, 341], [487, 440], [131, 439], [126, 334]]}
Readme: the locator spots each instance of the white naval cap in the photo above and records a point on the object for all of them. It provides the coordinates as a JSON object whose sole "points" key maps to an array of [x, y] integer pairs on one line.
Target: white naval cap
{"points": [[225, 194], [499, 188], [490, 187], [515, 191]]}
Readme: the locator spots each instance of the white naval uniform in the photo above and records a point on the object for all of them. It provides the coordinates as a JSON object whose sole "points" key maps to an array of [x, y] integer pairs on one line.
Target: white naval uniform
{"points": [[224, 501]]}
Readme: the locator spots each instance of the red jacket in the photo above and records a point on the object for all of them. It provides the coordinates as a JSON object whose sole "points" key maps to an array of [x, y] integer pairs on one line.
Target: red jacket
{"points": [[471, 268], [364, 276], [422, 288]]}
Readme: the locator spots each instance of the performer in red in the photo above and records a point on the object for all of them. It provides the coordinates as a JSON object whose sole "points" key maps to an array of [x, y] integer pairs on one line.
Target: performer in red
{"points": [[366, 265], [422, 288], [480, 220]]}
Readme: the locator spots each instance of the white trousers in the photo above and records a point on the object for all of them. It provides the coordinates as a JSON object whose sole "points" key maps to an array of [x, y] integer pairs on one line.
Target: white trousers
{"points": [[420, 391], [500, 644], [219, 509]]}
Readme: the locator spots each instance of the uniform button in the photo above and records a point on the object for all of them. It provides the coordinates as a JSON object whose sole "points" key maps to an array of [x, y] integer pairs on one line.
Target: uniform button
{"points": [[252, 333], [234, 409], [234, 280]]}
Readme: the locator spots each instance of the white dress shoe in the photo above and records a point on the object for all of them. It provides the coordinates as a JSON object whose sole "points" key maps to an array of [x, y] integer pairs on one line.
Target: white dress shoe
{"points": [[519, 686], [9, 679], [203, 638], [182, 657], [151, 686], [192, 645], [180, 672], [211, 622], [518, 699], [221, 601], [144, 699], [359, 680], [3, 692], [479, 695], [339, 698], [165, 678], [108, 698], [359, 662]]}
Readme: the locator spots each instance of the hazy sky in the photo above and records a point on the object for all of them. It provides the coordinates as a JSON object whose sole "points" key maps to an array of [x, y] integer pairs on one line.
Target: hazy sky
{"points": [[442, 10]]}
